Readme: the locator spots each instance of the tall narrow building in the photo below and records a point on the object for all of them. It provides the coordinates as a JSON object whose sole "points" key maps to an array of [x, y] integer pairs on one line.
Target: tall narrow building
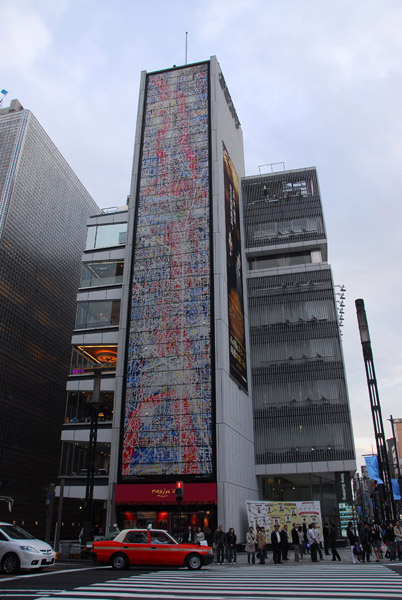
{"points": [[302, 423], [181, 384], [43, 210], [184, 376]]}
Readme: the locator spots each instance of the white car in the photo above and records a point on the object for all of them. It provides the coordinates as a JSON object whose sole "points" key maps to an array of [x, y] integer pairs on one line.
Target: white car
{"points": [[19, 550]]}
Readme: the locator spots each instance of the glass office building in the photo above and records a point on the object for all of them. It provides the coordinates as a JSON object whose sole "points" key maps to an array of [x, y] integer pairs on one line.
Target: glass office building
{"points": [[303, 435], [43, 210]]}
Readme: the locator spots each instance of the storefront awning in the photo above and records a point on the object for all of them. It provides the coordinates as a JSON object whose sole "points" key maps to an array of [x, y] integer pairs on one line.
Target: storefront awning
{"points": [[164, 493]]}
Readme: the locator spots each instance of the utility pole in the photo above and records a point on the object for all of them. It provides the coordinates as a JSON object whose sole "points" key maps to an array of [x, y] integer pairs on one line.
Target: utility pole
{"points": [[387, 501]]}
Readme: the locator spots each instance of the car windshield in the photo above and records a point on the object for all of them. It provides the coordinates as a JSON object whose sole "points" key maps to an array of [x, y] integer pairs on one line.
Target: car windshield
{"points": [[111, 535], [16, 533]]}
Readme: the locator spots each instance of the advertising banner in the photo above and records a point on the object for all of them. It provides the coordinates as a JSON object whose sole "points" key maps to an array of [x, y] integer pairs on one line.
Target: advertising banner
{"points": [[268, 514], [237, 341]]}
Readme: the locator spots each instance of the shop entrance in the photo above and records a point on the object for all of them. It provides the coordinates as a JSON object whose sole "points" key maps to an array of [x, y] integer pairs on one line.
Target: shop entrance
{"points": [[182, 522]]}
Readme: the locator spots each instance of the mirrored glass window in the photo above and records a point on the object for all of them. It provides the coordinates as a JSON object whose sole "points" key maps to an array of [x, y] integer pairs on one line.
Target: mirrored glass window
{"points": [[98, 313], [99, 273], [106, 236]]}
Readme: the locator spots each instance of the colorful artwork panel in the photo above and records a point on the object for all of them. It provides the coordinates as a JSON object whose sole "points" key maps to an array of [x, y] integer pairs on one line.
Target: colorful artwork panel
{"points": [[168, 403]]}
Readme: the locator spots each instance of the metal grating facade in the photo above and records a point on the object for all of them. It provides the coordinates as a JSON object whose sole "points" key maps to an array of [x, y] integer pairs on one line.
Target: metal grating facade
{"points": [[43, 209], [301, 407]]}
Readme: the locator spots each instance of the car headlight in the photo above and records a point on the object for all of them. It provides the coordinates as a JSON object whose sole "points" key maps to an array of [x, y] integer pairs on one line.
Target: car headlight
{"points": [[29, 549], [210, 551]]}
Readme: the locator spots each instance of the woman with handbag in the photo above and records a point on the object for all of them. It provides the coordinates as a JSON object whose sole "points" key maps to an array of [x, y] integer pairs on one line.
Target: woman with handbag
{"points": [[376, 540]]}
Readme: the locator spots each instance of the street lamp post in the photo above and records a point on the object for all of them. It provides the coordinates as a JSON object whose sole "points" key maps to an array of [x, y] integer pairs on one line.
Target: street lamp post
{"points": [[396, 464], [387, 507], [91, 462]]}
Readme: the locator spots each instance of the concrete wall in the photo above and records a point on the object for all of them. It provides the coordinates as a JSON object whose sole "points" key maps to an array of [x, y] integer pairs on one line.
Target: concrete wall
{"points": [[234, 414]]}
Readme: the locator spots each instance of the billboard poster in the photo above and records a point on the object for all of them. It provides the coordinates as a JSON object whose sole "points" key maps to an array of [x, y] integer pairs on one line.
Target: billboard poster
{"points": [[237, 339], [268, 514]]}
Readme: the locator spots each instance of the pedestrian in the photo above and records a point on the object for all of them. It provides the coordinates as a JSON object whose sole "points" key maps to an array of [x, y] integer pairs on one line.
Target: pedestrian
{"points": [[276, 545], [302, 543], [319, 543], [365, 540], [332, 542], [295, 542], [376, 540], [389, 539], [354, 542], [199, 535], [261, 546], [220, 542], [312, 541], [188, 536], [231, 545], [208, 535], [325, 534], [398, 538], [284, 542], [250, 545], [306, 544]]}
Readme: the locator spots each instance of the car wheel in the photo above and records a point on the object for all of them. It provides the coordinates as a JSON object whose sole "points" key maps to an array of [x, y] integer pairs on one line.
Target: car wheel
{"points": [[119, 561], [194, 562], [10, 564]]}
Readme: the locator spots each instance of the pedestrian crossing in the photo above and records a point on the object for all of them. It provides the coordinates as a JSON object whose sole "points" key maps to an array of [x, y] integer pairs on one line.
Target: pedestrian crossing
{"points": [[274, 582]]}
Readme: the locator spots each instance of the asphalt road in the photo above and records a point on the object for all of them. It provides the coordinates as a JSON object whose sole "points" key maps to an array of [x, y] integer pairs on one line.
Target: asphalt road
{"points": [[67, 576]]}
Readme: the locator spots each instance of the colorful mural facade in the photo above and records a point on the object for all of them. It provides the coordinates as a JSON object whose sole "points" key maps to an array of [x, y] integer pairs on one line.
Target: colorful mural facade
{"points": [[168, 400]]}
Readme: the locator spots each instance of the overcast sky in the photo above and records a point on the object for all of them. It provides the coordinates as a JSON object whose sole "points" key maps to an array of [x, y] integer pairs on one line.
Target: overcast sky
{"points": [[315, 83]]}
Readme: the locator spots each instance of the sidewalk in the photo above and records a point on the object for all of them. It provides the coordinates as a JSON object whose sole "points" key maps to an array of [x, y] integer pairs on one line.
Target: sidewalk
{"points": [[344, 553]]}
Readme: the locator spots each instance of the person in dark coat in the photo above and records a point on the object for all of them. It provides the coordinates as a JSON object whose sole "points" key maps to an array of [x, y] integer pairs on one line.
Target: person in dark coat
{"points": [[366, 540], [276, 545], [231, 544], [332, 542], [325, 535], [220, 542], [296, 542], [284, 542], [353, 541], [389, 539]]}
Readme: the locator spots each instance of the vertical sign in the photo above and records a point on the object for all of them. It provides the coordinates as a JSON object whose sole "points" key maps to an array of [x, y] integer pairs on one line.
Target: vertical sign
{"points": [[237, 338], [343, 487]]}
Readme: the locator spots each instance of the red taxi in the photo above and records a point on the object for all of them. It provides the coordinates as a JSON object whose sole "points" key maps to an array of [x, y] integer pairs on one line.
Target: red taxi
{"points": [[150, 547]]}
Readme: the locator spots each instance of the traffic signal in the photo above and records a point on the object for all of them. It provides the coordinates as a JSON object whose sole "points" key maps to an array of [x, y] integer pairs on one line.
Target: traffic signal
{"points": [[179, 490]]}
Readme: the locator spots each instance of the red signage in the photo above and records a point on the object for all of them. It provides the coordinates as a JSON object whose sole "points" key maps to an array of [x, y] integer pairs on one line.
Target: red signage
{"points": [[165, 493]]}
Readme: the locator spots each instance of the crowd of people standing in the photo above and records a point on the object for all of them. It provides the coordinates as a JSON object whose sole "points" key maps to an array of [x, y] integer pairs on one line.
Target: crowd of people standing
{"points": [[367, 541], [303, 540], [375, 540]]}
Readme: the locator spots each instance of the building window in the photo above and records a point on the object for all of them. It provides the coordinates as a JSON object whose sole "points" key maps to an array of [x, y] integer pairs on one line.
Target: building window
{"points": [[78, 409], [284, 260], [98, 313], [74, 459], [107, 272], [87, 358], [106, 236]]}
